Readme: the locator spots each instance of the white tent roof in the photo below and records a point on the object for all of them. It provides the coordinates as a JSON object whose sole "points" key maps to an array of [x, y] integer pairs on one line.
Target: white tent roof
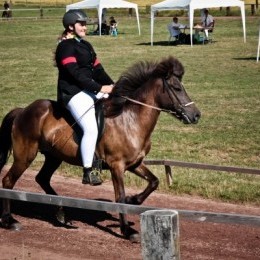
{"points": [[102, 4], [191, 5]]}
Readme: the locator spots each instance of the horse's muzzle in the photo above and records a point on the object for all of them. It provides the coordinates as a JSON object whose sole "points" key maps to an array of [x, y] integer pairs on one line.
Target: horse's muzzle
{"points": [[189, 118]]}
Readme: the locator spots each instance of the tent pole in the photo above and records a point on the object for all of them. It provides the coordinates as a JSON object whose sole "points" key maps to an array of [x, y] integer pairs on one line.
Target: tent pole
{"points": [[152, 21]]}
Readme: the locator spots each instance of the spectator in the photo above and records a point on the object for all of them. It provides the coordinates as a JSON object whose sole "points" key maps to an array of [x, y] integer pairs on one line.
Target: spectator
{"points": [[104, 27], [176, 29], [207, 20], [7, 12], [113, 26], [6, 5]]}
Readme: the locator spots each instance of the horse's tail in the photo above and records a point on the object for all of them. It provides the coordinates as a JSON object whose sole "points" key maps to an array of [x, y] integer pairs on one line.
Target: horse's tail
{"points": [[5, 136]]}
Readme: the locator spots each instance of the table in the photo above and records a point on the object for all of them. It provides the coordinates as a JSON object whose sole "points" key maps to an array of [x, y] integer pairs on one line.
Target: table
{"points": [[197, 29]]}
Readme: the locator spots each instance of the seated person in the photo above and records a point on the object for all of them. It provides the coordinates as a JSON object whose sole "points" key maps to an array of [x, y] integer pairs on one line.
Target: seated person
{"points": [[104, 27], [113, 26], [175, 29], [207, 21]]}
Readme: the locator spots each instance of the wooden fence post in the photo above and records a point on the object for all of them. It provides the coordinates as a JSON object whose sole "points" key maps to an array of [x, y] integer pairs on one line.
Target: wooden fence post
{"points": [[160, 235], [168, 172]]}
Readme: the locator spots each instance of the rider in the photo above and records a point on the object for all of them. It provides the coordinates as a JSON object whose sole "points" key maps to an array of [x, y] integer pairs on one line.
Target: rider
{"points": [[81, 81]]}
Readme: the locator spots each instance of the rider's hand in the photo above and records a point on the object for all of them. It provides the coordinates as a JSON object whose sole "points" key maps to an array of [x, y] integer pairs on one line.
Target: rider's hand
{"points": [[107, 89]]}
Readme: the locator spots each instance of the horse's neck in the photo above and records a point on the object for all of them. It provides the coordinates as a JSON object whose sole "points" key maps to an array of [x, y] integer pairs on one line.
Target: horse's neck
{"points": [[141, 117], [145, 112]]}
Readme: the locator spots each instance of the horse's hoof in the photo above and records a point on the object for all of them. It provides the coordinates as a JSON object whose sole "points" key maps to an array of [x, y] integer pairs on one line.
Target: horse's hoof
{"points": [[62, 219], [8, 222], [60, 216], [15, 226], [135, 238], [132, 235]]}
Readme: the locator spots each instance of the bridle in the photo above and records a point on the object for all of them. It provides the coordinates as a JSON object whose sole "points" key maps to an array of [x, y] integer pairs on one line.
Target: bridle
{"points": [[166, 87], [170, 91]]}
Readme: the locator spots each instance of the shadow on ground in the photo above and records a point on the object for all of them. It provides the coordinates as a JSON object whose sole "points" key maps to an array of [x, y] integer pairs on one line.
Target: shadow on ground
{"points": [[47, 213]]}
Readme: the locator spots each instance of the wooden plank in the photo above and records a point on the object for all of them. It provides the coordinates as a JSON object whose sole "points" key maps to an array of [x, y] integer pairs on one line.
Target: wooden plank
{"points": [[198, 216], [203, 166]]}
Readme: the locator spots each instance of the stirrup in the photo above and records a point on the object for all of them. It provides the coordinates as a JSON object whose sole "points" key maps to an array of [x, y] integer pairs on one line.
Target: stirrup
{"points": [[91, 176], [94, 177]]}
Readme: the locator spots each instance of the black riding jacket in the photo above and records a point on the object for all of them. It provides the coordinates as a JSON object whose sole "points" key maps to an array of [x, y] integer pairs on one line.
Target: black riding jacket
{"points": [[79, 69]]}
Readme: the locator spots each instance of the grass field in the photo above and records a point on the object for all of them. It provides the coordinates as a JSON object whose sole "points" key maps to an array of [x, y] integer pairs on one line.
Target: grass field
{"points": [[222, 78]]}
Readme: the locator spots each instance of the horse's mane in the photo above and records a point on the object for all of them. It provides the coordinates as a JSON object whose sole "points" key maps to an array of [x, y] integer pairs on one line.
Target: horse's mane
{"points": [[131, 81]]}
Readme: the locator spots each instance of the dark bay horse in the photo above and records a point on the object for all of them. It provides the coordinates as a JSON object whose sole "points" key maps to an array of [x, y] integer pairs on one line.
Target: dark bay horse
{"points": [[131, 113]]}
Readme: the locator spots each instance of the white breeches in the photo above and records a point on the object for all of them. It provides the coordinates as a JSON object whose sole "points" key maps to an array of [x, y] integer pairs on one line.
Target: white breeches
{"points": [[82, 108]]}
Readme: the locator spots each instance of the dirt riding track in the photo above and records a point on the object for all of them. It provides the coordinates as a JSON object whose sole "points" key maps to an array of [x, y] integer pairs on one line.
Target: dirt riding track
{"points": [[96, 235]]}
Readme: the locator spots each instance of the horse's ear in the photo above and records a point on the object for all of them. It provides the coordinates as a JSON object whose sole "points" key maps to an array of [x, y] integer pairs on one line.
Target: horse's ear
{"points": [[169, 66], [178, 69]]}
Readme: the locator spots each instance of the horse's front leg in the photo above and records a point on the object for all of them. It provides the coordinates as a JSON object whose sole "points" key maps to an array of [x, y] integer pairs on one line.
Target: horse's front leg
{"points": [[153, 182], [118, 183]]}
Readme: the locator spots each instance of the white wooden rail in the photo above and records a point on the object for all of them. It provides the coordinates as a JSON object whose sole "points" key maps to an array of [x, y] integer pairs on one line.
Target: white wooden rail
{"points": [[198, 216]]}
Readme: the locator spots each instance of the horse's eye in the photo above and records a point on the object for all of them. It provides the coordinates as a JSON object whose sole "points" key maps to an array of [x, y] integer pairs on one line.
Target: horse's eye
{"points": [[177, 87]]}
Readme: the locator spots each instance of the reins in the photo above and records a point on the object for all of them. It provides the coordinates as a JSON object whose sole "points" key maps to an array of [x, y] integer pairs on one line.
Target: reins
{"points": [[166, 85], [146, 105]]}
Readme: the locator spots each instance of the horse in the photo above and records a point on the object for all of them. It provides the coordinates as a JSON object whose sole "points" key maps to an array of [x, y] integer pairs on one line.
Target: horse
{"points": [[141, 93]]}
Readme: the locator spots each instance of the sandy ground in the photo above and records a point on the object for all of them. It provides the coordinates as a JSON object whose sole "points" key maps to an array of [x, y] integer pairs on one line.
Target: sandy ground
{"points": [[96, 235]]}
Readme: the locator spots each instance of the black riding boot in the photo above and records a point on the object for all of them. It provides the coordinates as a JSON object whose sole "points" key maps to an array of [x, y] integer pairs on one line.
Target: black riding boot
{"points": [[91, 176]]}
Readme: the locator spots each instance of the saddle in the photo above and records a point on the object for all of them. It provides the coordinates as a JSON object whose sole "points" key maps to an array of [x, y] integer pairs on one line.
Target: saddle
{"points": [[60, 111]]}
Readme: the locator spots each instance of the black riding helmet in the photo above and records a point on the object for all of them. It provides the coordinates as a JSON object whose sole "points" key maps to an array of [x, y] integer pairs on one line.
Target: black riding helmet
{"points": [[73, 16]]}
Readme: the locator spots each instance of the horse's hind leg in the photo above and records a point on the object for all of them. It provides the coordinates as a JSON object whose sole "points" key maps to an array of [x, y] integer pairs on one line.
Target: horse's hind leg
{"points": [[9, 181], [23, 154], [43, 178]]}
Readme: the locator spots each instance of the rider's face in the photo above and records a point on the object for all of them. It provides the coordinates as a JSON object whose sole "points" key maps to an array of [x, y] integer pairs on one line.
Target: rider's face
{"points": [[80, 29]]}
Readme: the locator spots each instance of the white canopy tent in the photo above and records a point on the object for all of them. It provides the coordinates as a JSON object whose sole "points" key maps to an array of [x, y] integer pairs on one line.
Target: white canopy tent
{"points": [[104, 4], [191, 5]]}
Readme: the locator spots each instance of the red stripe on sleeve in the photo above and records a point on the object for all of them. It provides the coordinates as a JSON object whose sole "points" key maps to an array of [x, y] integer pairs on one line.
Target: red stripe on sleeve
{"points": [[96, 62], [68, 60]]}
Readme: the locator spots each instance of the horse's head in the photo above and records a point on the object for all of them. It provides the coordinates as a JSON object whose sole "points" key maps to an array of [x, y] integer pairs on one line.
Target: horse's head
{"points": [[173, 96]]}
